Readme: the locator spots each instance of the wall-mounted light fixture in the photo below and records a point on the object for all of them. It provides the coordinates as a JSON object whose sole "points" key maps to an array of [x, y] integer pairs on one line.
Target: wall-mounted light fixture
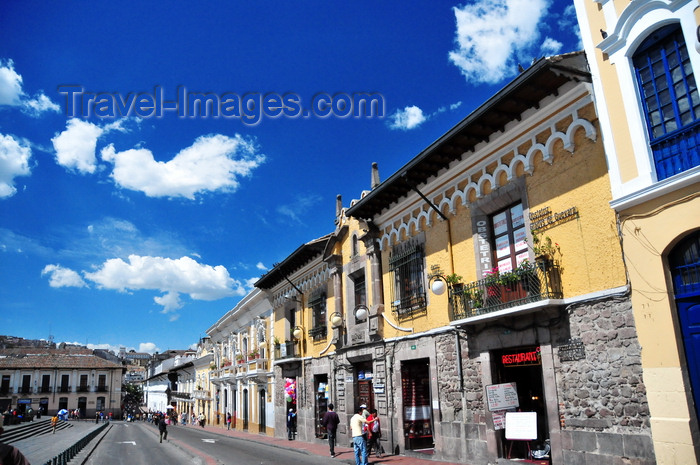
{"points": [[361, 312], [336, 319], [436, 280], [298, 332]]}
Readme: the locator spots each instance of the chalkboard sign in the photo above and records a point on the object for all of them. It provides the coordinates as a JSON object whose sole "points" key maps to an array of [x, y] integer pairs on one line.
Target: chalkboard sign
{"points": [[521, 426], [502, 396]]}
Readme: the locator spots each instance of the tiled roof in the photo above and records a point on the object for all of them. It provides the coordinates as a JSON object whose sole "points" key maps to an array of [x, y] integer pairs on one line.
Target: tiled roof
{"points": [[52, 358]]}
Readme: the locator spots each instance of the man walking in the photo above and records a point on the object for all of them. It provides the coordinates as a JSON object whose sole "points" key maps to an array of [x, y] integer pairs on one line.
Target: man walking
{"points": [[357, 423], [330, 420], [163, 428]]}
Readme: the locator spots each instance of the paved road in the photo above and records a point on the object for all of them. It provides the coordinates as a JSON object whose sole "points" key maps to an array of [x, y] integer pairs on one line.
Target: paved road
{"points": [[136, 443], [130, 444]]}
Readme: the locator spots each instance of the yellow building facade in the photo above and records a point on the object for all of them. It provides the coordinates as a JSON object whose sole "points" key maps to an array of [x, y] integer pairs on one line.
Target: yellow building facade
{"points": [[479, 290], [644, 56]]}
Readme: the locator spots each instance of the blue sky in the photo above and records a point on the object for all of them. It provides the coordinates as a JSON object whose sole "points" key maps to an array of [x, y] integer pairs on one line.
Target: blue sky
{"points": [[124, 227]]}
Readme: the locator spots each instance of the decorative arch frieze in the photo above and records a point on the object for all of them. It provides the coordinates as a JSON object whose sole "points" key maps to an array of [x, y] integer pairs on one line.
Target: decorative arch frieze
{"points": [[392, 234]]}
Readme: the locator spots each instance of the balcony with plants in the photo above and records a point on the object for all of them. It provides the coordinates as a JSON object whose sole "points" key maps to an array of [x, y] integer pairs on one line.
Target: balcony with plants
{"points": [[528, 283]]}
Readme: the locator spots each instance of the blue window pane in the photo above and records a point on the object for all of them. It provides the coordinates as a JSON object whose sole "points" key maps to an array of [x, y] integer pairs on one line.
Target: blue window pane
{"points": [[670, 99]]}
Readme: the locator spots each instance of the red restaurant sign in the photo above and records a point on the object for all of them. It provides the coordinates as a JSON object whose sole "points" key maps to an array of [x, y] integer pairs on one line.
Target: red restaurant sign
{"points": [[522, 358]]}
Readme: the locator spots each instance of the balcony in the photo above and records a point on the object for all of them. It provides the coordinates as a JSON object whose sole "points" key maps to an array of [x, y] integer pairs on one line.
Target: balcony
{"points": [[83, 388], [5, 390], [496, 292], [45, 389], [102, 388], [286, 350], [24, 390], [318, 333], [63, 389]]}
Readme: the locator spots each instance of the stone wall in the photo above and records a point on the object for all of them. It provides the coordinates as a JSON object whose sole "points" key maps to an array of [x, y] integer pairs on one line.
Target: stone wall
{"points": [[603, 405]]}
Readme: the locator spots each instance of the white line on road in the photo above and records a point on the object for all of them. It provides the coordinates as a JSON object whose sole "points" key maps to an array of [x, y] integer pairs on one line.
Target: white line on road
{"points": [[133, 443], [211, 441]]}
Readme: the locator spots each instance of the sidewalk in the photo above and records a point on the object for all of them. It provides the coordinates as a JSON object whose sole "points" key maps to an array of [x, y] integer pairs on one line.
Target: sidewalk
{"points": [[343, 454]]}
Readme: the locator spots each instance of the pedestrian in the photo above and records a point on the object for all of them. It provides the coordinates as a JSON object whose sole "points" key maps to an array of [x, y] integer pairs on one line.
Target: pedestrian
{"points": [[228, 421], [202, 420], [330, 420], [359, 445], [54, 423], [375, 434], [10, 455], [163, 428], [291, 424]]}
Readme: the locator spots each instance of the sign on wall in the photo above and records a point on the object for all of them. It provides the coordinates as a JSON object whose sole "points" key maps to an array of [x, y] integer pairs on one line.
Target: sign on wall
{"points": [[521, 426]]}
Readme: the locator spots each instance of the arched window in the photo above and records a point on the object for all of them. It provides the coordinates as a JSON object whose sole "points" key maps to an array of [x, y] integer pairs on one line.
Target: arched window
{"points": [[670, 100]]}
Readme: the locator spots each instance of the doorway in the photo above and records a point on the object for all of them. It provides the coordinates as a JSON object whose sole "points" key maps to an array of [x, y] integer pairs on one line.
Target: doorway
{"points": [[522, 366], [245, 409], [262, 421], [684, 261], [417, 411]]}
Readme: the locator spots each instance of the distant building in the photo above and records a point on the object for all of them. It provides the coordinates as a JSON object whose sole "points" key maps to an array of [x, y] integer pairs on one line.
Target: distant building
{"points": [[53, 379]]}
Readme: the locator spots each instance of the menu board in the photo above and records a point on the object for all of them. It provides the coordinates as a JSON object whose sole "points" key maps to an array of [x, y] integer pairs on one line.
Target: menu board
{"points": [[502, 396], [521, 426]]}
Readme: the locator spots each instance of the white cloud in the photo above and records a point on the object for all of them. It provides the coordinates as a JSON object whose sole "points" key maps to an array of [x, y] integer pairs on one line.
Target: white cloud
{"points": [[39, 104], [550, 46], [295, 210], [493, 34], [408, 118], [10, 84], [11, 93], [75, 147], [260, 266], [170, 276], [62, 277], [148, 347], [14, 161], [212, 163]]}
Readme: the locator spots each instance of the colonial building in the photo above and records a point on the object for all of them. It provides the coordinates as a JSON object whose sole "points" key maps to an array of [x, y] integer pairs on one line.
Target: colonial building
{"points": [[202, 395], [643, 57], [298, 289], [169, 384], [241, 375], [49, 380]]}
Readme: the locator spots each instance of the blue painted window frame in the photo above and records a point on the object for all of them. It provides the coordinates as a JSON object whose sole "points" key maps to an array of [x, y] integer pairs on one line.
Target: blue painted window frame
{"points": [[670, 99]]}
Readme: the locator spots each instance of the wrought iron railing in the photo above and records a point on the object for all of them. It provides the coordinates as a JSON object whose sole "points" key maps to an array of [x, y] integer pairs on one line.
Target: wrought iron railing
{"points": [[497, 292], [286, 350], [319, 332], [413, 305]]}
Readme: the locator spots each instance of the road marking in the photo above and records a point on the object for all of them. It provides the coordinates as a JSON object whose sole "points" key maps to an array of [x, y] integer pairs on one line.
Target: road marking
{"points": [[133, 443], [210, 441]]}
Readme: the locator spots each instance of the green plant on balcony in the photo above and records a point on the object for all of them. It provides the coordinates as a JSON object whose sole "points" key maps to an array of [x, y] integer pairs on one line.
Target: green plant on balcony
{"points": [[543, 247], [477, 298], [453, 279], [239, 358], [253, 354], [276, 341]]}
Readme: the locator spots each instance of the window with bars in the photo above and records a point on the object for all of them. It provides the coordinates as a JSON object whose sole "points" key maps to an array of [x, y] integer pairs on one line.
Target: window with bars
{"points": [[406, 263], [670, 100], [317, 304]]}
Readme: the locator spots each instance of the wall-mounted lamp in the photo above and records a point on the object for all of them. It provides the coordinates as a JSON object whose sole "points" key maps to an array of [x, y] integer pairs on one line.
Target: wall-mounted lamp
{"points": [[336, 319], [291, 298], [298, 332], [437, 285], [436, 280], [361, 312]]}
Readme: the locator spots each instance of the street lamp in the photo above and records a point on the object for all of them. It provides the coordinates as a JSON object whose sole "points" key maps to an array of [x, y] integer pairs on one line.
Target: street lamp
{"points": [[298, 332]]}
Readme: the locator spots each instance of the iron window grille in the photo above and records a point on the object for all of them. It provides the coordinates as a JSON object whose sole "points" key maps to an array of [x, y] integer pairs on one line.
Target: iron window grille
{"points": [[408, 290], [670, 100], [319, 328]]}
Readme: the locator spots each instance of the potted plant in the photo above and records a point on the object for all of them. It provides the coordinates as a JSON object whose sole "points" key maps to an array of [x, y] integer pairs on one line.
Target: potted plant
{"points": [[239, 358], [454, 281], [492, 282], [276, 342], [253, 354], [543, 247]]}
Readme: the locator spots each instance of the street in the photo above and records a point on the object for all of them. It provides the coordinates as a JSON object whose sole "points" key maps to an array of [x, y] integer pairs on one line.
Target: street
{"points": [[137, 443]]}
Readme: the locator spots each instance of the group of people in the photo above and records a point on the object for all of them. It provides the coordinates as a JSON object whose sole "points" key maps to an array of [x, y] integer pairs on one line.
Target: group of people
{"points": [[365, 428]]}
